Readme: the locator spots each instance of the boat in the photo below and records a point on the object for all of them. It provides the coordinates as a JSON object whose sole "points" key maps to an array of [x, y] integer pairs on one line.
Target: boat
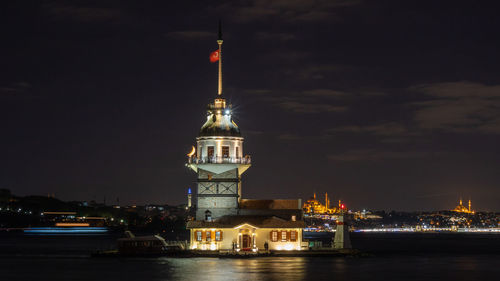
{"points": [[131, 245]]}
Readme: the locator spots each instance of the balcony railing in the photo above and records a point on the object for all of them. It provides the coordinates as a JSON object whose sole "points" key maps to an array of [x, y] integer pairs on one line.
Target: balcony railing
{"points": [[220, 160]]}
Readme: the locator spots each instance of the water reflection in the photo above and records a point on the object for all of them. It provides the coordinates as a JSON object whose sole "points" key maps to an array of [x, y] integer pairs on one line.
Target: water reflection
{"points": [[238, 269]]}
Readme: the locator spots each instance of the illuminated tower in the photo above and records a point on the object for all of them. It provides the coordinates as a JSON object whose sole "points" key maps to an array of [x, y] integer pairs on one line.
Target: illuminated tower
{"points": [[470, 207], [189, 198], [327, 203], [218, 160], [341, 239]]}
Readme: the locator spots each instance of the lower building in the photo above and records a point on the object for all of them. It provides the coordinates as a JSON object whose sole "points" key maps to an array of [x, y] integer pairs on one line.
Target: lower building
{"points": [[247, 233]]}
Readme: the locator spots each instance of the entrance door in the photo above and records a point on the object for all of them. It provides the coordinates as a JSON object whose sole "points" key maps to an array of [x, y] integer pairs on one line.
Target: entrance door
{"points": [[246, 242]]}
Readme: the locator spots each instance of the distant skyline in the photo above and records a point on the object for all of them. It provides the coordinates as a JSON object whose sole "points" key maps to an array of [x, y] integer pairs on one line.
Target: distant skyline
{"points": [[384, 104]]}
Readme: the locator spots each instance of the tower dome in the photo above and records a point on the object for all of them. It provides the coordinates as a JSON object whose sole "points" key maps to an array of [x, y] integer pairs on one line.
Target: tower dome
{"points": [[219, 121]]}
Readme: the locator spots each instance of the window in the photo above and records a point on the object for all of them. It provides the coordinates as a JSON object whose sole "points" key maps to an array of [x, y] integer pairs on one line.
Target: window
{"points": [[283, 236], [218, 235], [209, 236], [225, 151], [237, 152], [293, 236], [208, 215], [274, 236], [198, 235], [210, 151]]}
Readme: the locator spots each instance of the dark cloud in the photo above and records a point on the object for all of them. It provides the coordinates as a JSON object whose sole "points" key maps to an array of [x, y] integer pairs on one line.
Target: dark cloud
{"points": [[375, 155], [288, 57], [461, 107], [303, 107], [325, 93], [191, 34], [314, 72], [308, 101], [284, 10], [266, 36], [90, 12], [290, 137], [15, 90], [384, 129]]}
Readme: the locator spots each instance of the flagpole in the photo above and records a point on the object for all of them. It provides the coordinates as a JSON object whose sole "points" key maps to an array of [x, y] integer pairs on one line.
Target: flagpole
{"points": [[219, 41]]}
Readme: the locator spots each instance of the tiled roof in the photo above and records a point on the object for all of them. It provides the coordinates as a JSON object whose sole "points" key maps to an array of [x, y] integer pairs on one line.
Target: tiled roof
{"points": [[257, 221], [270, 204]]}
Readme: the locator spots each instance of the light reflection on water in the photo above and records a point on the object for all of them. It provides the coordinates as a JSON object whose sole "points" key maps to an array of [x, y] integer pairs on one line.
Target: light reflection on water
{"points": [[238, 269], [280, 269]]}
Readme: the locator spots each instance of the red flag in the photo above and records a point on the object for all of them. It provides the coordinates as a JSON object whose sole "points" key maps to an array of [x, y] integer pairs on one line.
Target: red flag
{"points": [[214, 56]]}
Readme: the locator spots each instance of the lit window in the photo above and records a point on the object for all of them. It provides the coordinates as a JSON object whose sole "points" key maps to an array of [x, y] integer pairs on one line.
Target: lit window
{"points": [[218, 235], [210, 152], [283, 236], [225, 151], [293, 236], [198, 235], [274, 235], [209, 236]]}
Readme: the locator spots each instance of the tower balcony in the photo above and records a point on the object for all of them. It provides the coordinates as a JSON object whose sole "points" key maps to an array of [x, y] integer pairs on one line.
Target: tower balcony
{"points": [[220, 160]]}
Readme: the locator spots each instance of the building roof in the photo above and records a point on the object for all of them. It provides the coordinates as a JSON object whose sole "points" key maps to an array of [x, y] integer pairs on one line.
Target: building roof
{"points": [[257, 221], [273, 204], [219, 125], [219, 121]]}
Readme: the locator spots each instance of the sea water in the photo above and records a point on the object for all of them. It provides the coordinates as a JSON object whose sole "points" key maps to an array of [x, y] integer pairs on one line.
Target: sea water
{"points": [[394, 256]]}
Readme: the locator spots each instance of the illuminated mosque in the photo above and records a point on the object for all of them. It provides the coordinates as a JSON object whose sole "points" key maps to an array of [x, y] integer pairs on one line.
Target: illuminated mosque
{"points": [[224, 221], [462, 209], [313, 206]]}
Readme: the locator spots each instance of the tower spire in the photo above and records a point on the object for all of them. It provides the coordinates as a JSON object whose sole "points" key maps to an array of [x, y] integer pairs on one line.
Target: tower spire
{"points": [[219, 41]]}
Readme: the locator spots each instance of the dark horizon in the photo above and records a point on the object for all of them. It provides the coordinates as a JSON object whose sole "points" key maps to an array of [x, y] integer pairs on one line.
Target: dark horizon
{"points": [[385, 105]]}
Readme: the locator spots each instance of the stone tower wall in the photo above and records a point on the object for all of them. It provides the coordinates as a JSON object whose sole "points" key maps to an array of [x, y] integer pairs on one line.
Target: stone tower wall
{"points": [[218, 193]]}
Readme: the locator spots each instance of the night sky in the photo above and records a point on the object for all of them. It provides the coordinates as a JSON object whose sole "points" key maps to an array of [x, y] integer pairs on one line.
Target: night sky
{"points": [[383, 104]]}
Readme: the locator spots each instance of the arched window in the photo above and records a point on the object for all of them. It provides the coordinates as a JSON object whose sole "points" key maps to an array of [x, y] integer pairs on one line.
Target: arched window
{"points": [[208, 215]]}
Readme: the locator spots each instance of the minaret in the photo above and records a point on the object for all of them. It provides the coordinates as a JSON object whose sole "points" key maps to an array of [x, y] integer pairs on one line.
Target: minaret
{"points": [[189, 197], [218, 160], [469, 206], [326, 201]]}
